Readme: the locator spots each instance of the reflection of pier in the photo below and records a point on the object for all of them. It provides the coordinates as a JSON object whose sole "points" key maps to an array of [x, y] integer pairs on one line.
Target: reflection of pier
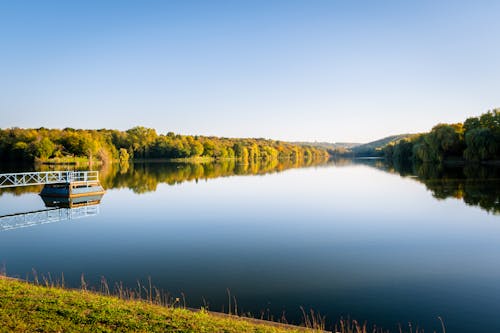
{"points": [[69, 195], [29, 219]]}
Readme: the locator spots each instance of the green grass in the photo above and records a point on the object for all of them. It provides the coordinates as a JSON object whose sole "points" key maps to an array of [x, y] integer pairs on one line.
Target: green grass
{"points": [[26, 307]]}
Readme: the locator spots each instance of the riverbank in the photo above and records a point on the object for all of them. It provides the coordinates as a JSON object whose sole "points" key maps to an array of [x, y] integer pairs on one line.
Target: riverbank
{"points": [[81, 161], [25, 307]]}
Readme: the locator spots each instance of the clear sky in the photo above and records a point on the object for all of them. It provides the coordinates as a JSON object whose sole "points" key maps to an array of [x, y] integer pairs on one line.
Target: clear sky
{"points": [[292, 70]]}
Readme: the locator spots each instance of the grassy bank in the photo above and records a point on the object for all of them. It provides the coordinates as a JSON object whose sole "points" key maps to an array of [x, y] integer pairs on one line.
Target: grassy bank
{"points": [[25, 307], [67, 160]]}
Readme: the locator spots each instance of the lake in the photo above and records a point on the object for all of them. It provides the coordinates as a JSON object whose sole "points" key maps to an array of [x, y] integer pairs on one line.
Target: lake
{"points": [[346, 238]]}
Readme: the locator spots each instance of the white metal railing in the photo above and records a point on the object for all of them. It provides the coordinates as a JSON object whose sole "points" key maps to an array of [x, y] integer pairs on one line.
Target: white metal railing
{"points": [[29, 219], [47, 177]]}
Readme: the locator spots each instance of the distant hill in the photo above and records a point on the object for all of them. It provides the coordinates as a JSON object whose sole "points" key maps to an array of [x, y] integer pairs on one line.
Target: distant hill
{"points": [[329, 145], [370, 149], [348, 145], [375, 148]]}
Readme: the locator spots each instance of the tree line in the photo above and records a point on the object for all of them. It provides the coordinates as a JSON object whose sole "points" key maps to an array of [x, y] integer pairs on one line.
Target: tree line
{"points": [[477, 139], [104, 145]]}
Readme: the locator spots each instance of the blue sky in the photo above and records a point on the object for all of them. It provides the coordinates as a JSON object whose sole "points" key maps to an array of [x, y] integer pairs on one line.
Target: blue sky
{"points": [[291, 70]]}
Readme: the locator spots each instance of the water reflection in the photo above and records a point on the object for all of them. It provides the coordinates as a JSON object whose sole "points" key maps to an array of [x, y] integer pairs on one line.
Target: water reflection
{"points": [[145, 177], [59, 208], [476, 184], [52, 215]]}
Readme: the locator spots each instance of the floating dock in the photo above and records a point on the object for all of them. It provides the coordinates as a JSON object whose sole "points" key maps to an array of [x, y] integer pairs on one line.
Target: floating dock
{"points": [[62, 184]]}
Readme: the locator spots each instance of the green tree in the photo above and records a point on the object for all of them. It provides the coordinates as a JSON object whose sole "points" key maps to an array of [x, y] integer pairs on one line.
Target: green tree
{"points": [[20, 151], [44, 148], [481, 144], [141, 139], [196, 149], [403, 151]]}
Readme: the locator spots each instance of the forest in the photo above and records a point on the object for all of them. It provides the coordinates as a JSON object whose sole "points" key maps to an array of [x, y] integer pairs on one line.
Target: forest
{"points": [[140, 143], [476, 139]]}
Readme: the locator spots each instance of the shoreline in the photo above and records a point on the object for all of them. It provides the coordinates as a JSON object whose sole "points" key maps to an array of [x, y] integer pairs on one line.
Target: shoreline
{"points": [[49, 307]]}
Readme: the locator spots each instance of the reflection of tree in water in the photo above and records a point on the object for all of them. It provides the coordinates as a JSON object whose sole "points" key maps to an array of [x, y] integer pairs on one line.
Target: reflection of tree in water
{"points": [[475, 184], [144, 177], [484, 190], [21, 189]]}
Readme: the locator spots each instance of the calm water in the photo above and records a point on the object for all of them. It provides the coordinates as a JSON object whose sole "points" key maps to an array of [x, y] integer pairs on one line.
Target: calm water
{"points": [[346, 239]]}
